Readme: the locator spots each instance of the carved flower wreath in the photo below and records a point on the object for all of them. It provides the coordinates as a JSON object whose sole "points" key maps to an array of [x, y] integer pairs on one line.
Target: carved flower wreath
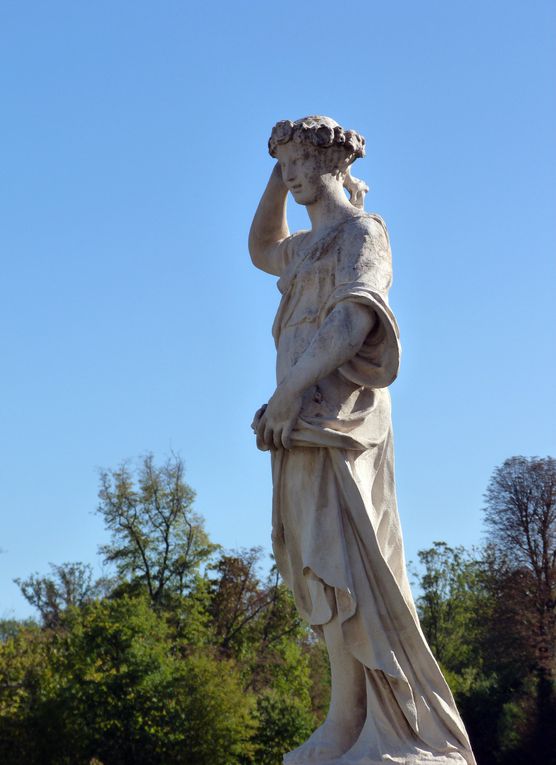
{"points": [[321, 132]]}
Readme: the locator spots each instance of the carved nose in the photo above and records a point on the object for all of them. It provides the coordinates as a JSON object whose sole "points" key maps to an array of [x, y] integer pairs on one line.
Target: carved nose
{"points": [[290, 174]]}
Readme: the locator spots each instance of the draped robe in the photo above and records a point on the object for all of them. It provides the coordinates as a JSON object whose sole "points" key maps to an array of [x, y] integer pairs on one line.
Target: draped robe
{"points": [[336, 531]]}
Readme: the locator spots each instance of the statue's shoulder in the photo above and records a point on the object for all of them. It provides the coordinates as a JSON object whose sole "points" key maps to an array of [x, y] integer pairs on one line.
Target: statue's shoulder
{"points": [[363, 254], [368, 222], [367, 229]]}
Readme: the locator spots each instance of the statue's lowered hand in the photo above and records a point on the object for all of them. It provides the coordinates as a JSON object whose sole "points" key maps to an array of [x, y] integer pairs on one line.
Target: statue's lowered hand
{"points": [[255, 424], [273, 424]]}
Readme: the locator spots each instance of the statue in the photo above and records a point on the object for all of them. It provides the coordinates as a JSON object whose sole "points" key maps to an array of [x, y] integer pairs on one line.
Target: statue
{"points": [[336, 531]]}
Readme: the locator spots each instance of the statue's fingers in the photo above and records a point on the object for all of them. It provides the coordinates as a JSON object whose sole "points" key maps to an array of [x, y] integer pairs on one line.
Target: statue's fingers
{"points": [[268, 437], [260, 432], [277, 438], [261, 444], [260, 411], [286, 436], [256, 419], [260, 426]]}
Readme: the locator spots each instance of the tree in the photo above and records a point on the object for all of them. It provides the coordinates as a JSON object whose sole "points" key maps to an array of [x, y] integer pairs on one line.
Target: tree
{"points": [[237, 599], [70, 584], [158, 541], [520, 514], [253, 619], [113, 685], [449, 585], [452, 602], [256, 623], [284, 723], [179, 658]]}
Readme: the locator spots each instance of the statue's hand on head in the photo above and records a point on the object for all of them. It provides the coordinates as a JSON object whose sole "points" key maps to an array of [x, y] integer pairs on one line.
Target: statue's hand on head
{"points": [[276, 174]]}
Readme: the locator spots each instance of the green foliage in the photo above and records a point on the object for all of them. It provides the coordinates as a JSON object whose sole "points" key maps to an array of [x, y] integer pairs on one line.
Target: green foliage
{"points": [[451, 594], [112, 685], [26, 677], [489, 618], [158, 541], [10, 628], [191, 656], [284, 723], [70, 584], [182, 657], [319, 672], [215, 711], [189, 617]]}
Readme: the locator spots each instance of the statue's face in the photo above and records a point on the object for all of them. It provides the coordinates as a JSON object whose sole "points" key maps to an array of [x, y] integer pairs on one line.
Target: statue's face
{"points": [[307, 173]]}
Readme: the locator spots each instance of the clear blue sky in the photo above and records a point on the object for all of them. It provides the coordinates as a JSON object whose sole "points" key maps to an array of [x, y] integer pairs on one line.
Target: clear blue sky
{"points": [[133, 156]]}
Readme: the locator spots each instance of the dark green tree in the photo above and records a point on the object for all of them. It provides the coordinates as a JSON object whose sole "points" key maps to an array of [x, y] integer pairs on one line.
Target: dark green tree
{"points": [[450, 588], [182, 657], [284, 723], [112, 684], [452, 603]]}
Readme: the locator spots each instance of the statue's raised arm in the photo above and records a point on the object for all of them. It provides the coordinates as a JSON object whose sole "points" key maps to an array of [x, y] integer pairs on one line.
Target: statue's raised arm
{"points": [[336, 531], [270, 226]]}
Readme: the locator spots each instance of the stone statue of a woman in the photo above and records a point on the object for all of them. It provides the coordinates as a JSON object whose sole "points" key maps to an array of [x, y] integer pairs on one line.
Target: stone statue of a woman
{"points": [[336, 530]]}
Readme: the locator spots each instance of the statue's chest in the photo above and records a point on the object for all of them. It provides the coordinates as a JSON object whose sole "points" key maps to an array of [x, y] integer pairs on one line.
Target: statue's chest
{"points": [[313, 281], [306, 287], [308, 295]]}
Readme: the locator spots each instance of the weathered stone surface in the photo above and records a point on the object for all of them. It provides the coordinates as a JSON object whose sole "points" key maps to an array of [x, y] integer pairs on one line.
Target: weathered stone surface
{"points": [[336, 530]]}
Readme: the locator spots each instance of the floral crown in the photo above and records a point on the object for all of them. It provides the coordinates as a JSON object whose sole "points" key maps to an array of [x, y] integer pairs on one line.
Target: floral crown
{"points": [[321, 132]]}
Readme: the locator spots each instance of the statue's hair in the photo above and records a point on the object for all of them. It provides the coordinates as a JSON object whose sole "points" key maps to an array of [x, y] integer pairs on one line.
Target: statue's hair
{"points": [[319, 131], [324, 133]]}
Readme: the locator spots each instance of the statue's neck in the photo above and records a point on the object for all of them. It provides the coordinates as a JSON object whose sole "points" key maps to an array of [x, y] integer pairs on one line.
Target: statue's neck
{"points": [[327, 212]]}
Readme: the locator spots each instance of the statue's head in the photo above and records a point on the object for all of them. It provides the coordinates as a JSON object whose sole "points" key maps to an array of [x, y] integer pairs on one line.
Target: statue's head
{"points": [[322, 145]]}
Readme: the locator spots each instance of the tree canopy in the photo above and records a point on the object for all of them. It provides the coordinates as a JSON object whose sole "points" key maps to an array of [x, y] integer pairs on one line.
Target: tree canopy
{"points": [[157, 538], [188, 654], [489, 617], [193, 654]]}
